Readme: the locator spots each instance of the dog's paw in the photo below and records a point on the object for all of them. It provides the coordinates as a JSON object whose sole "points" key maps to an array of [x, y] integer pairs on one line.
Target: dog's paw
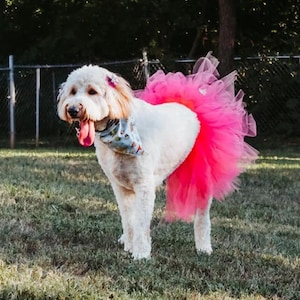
{"points": [[121, 239], [142, 247], [207, 249], [139, 256], [127, 246]]}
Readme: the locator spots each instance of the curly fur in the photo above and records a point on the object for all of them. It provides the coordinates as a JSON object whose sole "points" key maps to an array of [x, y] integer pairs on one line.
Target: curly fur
{"points": [[168, 133]]}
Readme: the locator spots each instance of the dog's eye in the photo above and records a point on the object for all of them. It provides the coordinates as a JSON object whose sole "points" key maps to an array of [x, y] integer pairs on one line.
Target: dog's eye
{"points": [[92, 92], [73, 91]]}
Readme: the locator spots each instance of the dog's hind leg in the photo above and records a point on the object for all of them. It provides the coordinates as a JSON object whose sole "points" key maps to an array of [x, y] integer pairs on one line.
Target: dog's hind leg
{"points": [[202, 227]]}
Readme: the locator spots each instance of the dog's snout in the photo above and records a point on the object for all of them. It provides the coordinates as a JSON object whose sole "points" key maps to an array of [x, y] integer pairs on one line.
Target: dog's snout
{"points": [[73, 111]]}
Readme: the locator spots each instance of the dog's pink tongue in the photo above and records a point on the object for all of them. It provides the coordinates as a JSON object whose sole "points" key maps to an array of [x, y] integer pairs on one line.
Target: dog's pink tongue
{"points": [[86, 134]]}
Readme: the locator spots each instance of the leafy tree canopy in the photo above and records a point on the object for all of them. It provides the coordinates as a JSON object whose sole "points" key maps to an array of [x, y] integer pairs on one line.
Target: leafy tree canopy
{"points": [[69, 31]]}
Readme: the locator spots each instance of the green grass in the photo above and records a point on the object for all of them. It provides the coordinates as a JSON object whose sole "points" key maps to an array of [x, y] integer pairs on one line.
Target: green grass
{"points": [[59, 226]]}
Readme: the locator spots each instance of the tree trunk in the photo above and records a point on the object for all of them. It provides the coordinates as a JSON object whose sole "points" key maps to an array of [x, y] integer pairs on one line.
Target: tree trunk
{"points": [[227, 17]]}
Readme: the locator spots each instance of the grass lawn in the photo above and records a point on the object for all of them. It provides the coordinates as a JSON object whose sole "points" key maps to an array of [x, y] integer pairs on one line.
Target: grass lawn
{"points": [[59, 226]]}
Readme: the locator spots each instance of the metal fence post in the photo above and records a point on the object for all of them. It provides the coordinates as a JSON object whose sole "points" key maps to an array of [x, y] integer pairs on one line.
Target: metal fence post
{"points": [[146, 65], [37, 106], [12, 98]]}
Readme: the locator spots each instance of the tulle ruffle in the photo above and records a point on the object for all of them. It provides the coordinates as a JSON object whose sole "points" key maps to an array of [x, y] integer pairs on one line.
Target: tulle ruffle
{"points": [[220, 153]]}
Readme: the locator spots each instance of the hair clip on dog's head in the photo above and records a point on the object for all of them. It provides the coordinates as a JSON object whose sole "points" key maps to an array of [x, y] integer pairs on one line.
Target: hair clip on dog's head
{"points": [[112, 80]]}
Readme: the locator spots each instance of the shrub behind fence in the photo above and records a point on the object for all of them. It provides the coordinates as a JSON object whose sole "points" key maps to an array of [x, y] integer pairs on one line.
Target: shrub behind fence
{"points": [[272, 87]]}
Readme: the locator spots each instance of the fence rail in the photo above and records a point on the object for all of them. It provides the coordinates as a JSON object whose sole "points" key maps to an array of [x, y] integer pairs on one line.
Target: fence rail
{"points": [[28, 95]]}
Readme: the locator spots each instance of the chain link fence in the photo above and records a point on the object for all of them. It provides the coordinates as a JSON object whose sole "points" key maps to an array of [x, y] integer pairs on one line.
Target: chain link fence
{"points": [[4, 107], [35, 117], [272, 91], [271, 84]]}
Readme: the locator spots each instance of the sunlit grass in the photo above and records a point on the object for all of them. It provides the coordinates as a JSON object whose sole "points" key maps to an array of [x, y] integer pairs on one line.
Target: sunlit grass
{"points": [[59, 226]]}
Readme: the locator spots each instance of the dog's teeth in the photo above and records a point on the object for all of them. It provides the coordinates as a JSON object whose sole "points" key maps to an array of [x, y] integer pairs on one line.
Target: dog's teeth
{"points": [[77, 131]]}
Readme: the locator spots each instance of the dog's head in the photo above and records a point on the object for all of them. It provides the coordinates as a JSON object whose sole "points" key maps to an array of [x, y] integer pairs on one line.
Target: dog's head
{"points": [[92, 94]]}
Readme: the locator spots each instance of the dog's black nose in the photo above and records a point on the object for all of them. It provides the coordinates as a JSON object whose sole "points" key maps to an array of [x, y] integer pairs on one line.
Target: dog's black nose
{"points": [[73, 111]]}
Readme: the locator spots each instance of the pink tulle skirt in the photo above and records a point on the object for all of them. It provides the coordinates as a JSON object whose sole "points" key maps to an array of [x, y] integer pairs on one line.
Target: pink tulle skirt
{"points": [[220, 153]]}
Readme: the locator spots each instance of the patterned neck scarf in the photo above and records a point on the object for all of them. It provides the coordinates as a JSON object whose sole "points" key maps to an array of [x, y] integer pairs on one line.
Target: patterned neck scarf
{"points": [[122, 137]]}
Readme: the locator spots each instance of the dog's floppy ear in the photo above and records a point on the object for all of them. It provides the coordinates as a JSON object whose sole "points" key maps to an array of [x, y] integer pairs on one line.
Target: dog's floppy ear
{"points": [[60, 91], [118, 96], [60, 99]]}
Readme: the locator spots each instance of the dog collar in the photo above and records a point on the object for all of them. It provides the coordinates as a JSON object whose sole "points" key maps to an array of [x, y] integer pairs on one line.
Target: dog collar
{"points": [[121, 136]]}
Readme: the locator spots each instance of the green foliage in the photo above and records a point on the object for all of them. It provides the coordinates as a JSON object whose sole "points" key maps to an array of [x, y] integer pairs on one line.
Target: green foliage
{"points": [[268, 27], [43, 31], [272, 89], [59, 226]]}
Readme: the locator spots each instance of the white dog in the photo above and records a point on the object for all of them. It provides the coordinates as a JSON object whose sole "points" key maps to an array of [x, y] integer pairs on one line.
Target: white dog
{"points": [[138, 145]]}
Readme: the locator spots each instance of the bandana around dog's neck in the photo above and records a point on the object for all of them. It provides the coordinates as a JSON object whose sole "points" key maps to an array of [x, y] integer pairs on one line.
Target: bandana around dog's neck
{"points": [[122, 137]]}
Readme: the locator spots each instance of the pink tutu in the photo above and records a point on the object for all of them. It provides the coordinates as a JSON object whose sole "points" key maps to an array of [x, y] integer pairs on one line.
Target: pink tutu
{"points": [[220, 154]]}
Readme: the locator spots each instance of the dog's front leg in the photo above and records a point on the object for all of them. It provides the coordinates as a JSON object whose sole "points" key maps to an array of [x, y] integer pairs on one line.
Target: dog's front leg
{"points": [[143, 210], [126, 201], [202, 227]]}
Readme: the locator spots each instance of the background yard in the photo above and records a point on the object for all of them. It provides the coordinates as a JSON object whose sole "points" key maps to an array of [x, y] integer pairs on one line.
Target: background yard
{"points": [[59, 226]]}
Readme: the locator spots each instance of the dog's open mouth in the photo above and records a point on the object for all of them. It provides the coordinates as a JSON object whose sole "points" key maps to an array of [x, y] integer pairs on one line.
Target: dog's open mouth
{"points": [[86, 133]]}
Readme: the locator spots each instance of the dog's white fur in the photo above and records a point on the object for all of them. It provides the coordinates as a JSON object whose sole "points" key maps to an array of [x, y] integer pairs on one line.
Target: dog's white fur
{"points": [[168, 133]]}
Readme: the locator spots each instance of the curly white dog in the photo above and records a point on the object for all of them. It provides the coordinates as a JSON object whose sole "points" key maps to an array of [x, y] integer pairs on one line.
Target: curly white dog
{"points": [[138, 145]]}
